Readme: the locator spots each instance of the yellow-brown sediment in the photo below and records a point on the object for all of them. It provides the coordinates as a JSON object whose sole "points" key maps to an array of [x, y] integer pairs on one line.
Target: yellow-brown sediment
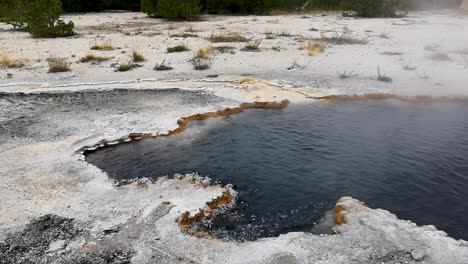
{"points": [[404, 98], [341, 210], [186, 221], [339, 218], [183, 122]]}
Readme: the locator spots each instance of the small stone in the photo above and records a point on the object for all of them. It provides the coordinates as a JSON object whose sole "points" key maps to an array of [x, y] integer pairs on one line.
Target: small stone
{"points": [[418, 255], [57, 245]]}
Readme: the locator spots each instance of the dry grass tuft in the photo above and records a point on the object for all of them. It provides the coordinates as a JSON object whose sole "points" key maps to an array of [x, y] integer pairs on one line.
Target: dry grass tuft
{"points": [[276, 48], [184, 35], [392, 53], [343, 38], [382, 77], [7, 61], [408, 67], [433, 47], [284, 33], [225, 49], [233, 37], [201, 64], [346, 75], [192, 29], [107, 27], [253, 45], [107, 45], [137, 57], [162, 66], [296, 66], [269, 35], [440, 56], [171, 27], [384, 35], [58, 64], [204, 52], [315, 48], [93, 58]]}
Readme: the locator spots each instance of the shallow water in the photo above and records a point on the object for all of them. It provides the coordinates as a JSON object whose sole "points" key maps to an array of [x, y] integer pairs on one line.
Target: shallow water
{"points": [[291, 165]]}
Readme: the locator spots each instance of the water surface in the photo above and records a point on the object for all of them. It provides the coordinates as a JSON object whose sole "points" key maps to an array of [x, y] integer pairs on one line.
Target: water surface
{"points": [[291, 165]]}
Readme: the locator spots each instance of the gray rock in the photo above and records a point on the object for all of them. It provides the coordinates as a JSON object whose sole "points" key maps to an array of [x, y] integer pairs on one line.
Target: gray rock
{"points": [[418, 255]]}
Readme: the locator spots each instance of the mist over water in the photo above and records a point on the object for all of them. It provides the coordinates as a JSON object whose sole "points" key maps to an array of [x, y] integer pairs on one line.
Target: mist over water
{"points": [[291, 165]]}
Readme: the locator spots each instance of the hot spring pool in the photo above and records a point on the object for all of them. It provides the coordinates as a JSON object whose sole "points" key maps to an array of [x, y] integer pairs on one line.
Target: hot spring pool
{"points": [[291, 165]]}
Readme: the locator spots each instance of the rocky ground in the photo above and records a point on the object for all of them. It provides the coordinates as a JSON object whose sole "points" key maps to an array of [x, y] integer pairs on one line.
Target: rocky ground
{"points": [[56, 208]]}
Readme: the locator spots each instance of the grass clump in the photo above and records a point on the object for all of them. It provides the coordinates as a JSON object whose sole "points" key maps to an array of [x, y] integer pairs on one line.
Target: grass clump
{"points": [[225, 49], [93, 58], [295, 66], [392, 53], [192, 29], [58, 64], [162, 66], [408, 67], [440, 56], [178, 48], [137, 57], [127, 67], [8, 62], [343, 38], [346, 75], [107, 45], [384, 35], [204, 52], [315, 48], [253, 45], [284, 33], [382, 77], [269, 35], [201, 64], [184, 35], [233, 37]]}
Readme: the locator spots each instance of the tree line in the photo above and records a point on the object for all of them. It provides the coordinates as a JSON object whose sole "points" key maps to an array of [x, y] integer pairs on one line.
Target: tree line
{"points": [[42, 17], [231, 6]]}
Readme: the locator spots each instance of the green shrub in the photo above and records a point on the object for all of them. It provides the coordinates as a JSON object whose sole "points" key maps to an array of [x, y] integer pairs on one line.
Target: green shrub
{"points": [[137, 57], [239, 6], [179, 9], [7, 8], [373, 8], [150, 7], [217, 6], [43, 19], [258, 6], [178, 48], [99, 5], [9, 13], [17, 22]]}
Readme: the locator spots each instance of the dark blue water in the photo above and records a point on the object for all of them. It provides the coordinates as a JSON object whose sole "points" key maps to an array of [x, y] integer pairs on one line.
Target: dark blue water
{"points": [[291, 165]]}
